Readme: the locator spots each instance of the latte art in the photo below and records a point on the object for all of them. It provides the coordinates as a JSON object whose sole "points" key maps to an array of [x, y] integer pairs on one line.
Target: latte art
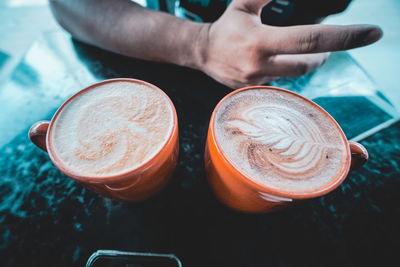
{"points": [[112, 128], [282, 138], [276, 141]]}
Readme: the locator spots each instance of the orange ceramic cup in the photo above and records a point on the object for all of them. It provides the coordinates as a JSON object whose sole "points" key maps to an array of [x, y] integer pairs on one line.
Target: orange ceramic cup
{"points": [[242, 194], [134, 185]]}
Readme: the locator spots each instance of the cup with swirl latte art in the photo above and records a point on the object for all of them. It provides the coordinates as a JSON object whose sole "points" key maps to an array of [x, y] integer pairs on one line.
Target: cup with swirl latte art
{"points": [[118, 137], [269, 147]]}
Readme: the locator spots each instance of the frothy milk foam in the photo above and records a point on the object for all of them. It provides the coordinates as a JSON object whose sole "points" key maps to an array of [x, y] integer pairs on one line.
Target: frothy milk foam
{"points": [[279, 141], [112, 128]]}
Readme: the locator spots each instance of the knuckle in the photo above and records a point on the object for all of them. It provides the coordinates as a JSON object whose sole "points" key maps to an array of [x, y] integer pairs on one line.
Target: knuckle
{"points": [[309, 42], [251, 45], [249, 72], [348, 40], [251, 67]]}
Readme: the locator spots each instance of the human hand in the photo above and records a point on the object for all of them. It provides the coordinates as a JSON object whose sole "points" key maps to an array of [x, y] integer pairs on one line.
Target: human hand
{"points": [[238, 50]]}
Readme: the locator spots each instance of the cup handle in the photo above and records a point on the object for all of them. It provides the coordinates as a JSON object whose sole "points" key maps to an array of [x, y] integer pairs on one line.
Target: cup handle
{"points": [[37, 134], [359, 155]]}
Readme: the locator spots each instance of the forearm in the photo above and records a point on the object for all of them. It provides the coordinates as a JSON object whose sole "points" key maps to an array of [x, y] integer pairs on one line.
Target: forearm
{"points": [[129, 29], [236, 50]]}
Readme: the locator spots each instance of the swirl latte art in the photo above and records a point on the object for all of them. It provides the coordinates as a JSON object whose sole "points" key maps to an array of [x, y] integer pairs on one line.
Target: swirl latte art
{"points": [[112, 128], [279, 140]]}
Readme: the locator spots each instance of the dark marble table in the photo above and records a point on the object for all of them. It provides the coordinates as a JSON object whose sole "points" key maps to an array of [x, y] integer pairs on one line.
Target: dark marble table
{"points": [[47, 219]]}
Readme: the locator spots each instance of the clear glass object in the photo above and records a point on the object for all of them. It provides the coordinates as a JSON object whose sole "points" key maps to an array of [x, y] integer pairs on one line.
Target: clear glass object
{"points": [[114, 258]]}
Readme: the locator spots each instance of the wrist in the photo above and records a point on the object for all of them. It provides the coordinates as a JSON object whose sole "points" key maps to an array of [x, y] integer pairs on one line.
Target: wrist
{"points": [[195, 52]]}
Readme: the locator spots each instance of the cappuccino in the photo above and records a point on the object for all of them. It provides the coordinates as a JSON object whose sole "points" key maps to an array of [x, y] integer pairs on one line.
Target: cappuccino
{"points": [[279, 140], [112, 128]]}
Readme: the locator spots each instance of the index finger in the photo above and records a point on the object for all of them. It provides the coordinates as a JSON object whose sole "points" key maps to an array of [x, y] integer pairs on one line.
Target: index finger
{"points": [[321, 38]]}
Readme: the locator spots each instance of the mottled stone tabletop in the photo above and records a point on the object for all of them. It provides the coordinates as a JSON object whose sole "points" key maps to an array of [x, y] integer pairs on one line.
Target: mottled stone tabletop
{"points": [[47, 219]]}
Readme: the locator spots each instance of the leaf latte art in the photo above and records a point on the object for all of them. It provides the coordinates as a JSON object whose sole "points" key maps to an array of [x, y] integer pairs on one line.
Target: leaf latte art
{"points": [[112, 128], [278, 141], [282, 137]]}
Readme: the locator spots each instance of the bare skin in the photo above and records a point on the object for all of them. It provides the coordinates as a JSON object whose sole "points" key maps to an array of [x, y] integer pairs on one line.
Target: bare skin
{"points": [[236, 50]]}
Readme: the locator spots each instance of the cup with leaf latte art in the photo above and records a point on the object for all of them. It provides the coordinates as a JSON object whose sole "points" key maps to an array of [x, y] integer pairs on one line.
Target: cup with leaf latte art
{"points": [[268, 147]]}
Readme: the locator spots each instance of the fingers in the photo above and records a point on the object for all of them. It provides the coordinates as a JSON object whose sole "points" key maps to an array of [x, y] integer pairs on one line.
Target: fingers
{"points": [[318, 38], [293, 65], [275, 67], [253, 6]]}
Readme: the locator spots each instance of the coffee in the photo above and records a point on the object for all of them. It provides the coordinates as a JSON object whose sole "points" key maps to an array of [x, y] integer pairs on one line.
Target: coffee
{"points": [[279, 140], [112, 128]]}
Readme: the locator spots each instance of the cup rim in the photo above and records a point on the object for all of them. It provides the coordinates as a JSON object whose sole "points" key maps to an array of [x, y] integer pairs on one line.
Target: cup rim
{"points": [[322, 190], [120, 176]]}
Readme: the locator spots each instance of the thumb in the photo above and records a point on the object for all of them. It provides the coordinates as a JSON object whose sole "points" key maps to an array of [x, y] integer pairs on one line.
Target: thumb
{"points": [[250, 6]]}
